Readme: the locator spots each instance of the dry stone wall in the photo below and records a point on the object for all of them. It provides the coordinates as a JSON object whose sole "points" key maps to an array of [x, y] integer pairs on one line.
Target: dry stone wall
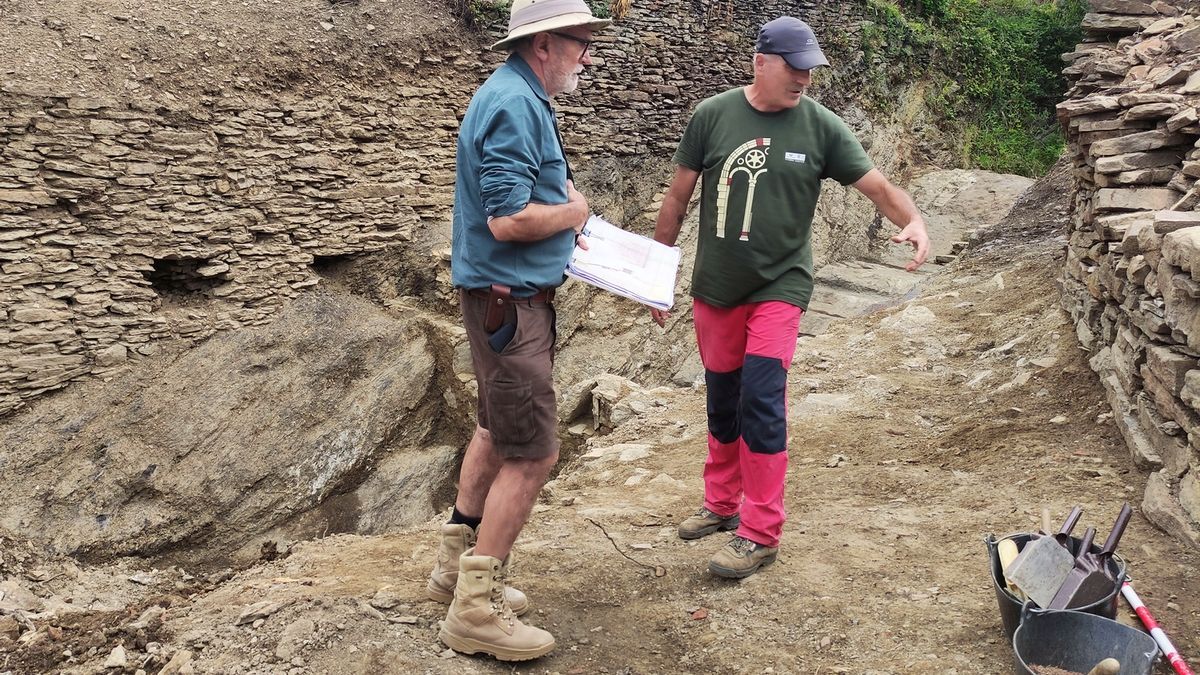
{"points": [[1132, 274], [664, 57], [124, 222]]}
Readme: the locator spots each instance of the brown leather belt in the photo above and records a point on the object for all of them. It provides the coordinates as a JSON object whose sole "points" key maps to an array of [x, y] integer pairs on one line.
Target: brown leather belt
{"points": [[546, 295], [499, 297]]}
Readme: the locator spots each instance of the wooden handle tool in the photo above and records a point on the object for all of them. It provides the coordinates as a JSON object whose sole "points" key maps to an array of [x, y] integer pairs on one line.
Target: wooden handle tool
{"points": [[1007, 550], [1109, 666]]}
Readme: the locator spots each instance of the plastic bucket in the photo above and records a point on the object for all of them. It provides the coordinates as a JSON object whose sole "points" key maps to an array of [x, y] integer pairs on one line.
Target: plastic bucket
{"points": [[1077, 641], [1010, 606]]}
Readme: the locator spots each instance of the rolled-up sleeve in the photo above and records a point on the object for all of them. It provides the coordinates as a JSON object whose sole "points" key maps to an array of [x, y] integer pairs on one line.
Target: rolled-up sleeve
{"points": [[511, 155]]}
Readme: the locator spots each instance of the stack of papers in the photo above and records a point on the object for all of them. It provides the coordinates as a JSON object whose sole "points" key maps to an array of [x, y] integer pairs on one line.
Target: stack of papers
{"points": [[626, 263]]}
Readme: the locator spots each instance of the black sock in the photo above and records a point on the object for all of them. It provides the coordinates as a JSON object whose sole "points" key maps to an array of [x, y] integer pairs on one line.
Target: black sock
{"points": [[457, 518]]}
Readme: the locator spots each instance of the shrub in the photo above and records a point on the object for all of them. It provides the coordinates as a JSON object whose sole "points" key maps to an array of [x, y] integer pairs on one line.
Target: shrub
{"points": [[481, 14], [995, 69], [601, 8]]}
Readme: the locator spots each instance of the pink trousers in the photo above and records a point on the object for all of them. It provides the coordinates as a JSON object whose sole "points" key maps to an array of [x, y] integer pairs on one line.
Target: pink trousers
{"points": [[746, 351]]}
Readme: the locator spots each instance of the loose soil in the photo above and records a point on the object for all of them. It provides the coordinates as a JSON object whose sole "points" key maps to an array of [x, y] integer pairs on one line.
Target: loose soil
{"points": [[127, 49]]}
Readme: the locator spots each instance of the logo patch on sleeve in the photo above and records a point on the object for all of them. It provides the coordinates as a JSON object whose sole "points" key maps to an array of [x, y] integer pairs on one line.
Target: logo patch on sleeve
{"points": [[797, 157]]}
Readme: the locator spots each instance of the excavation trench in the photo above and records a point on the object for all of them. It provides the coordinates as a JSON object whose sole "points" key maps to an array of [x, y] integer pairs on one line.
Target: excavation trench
{"points": [[349, 412]]}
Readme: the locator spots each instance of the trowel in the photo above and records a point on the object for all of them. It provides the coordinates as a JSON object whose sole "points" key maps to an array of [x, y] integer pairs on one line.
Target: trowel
{"points": [[1063, 537], [1077, 576], [1091, 580], [1044, 563]]}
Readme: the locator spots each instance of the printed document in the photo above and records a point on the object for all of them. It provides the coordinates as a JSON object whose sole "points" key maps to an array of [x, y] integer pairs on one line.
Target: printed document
{"points": [[626, 263]]}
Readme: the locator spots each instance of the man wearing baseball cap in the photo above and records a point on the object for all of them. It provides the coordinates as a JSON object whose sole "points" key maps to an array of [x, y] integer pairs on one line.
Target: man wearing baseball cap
{"points": [[762, 151], [517, 216]]}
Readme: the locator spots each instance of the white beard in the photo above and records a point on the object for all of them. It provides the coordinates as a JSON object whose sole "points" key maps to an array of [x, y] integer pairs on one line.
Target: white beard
{"points": [[565, 83], [570, 83]]}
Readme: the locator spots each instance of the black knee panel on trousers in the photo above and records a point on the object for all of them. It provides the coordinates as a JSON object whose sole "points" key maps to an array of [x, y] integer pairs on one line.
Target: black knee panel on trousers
{"points": [[724, 392], [763, 413]]}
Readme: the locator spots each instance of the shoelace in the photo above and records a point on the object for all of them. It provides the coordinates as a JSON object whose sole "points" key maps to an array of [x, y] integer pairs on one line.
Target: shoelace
{"points": [[499, 602], [743, 545]]}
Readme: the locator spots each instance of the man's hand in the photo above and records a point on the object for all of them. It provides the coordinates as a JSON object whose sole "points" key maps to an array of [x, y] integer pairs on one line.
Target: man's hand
{"points": [[670, 219], [899, 207], [914, 233], [576, 199]]}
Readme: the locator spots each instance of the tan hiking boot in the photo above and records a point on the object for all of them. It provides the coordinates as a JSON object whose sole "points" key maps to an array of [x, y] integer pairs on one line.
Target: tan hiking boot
{"points": [[741, 558], [480, 620], [456, 539], [705, 522]]}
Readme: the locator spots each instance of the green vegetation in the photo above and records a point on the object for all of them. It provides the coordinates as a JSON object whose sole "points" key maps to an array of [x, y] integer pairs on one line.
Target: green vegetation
{"points": [[895, 49], [995, 68], [481, 14], [600, 8]]}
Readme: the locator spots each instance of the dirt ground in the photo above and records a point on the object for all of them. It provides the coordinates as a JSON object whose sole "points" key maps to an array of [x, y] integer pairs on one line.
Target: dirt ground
{"points": [[127, 48], [915, 432]]}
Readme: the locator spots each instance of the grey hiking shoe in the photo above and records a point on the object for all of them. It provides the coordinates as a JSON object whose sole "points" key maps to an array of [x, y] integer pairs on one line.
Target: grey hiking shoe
{"points": [[741, 558], [705, 522]]}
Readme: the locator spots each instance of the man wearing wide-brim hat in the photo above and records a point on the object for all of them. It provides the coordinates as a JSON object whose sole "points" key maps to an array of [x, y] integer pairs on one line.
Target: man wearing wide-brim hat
{"points": [[517, 216]]}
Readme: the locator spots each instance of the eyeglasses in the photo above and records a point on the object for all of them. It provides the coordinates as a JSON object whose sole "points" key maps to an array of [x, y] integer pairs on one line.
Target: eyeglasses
{"points": [[587, 44]]}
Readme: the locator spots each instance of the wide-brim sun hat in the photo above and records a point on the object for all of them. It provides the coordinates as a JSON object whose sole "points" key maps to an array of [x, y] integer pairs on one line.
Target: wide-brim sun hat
{"points": [[537, 16]]}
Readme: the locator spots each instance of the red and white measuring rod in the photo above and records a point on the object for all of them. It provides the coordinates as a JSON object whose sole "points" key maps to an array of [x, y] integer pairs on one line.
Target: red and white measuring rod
{"points": [[1157, 633]]}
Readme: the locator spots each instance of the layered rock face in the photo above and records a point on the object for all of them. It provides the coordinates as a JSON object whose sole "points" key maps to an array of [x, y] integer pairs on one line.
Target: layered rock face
{"points": [[334, 418], [1132, 275], [121, 224], [181, 214]]}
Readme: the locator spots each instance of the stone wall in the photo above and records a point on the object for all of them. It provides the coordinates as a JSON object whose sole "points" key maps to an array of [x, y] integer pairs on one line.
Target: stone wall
{"points": [[1131, 280], [122, 223], [664, 57]]}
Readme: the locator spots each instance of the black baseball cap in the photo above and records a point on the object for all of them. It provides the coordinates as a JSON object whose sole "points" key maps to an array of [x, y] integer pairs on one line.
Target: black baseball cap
{"points": [[792, 39]]}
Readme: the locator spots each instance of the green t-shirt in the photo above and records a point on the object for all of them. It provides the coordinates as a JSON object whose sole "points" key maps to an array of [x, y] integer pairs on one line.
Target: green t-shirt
{"points": [[761, 177]]}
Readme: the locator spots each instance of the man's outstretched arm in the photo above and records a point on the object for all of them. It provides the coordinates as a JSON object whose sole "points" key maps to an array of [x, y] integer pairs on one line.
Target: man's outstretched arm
{"points": [[901, 210]]}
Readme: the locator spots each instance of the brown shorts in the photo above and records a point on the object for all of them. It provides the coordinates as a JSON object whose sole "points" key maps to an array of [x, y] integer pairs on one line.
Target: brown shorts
{"points": [[513, 369]]}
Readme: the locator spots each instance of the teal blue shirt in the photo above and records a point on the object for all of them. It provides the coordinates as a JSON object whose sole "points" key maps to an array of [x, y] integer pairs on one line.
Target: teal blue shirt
{"points": [[509, 155]]}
